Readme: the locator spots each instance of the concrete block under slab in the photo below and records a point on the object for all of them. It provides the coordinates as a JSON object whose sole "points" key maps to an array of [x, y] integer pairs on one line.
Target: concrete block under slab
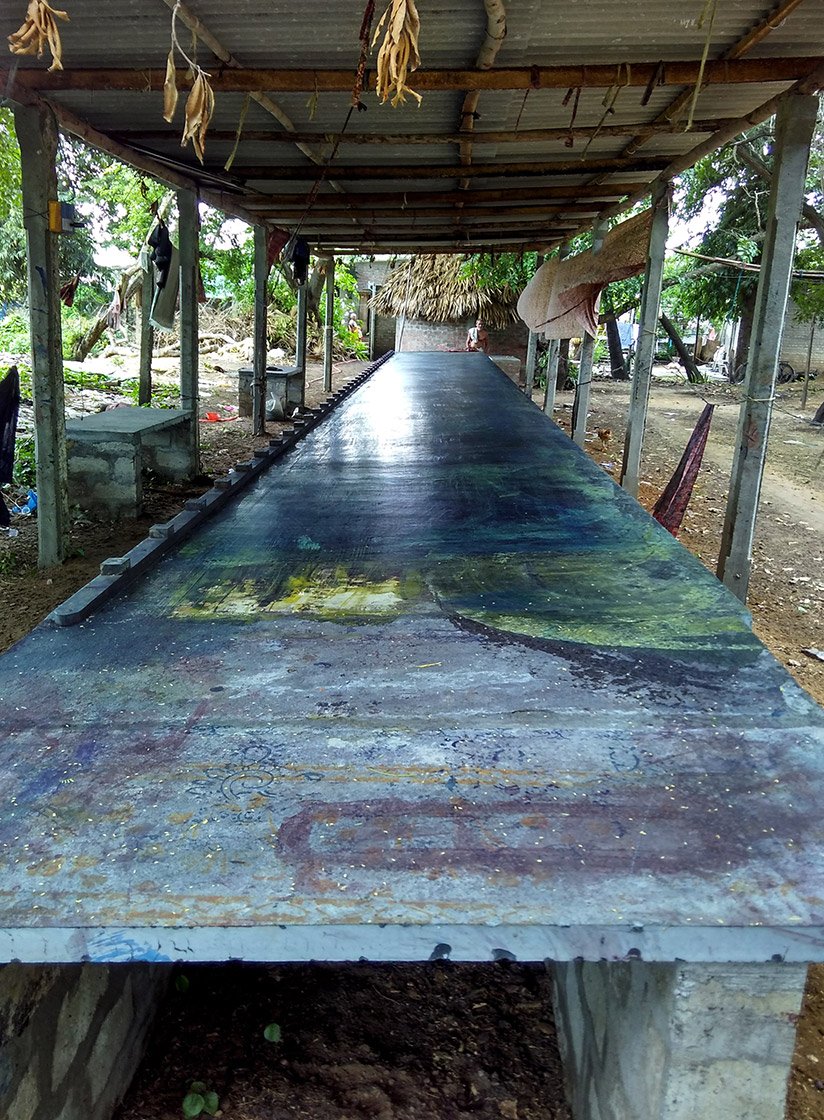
{"points": [[648, 1041], [95, 1017]]}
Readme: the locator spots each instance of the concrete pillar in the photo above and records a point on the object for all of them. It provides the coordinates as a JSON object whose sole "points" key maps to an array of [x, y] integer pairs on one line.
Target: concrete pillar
{"points": [[329, 326], [187, 232], [529, 369], [645, 1041], [373, 323], [260, 337], [581, 406], [551, 376], [300, 341], [37, 135], [144, 387], [795, 122], [72, 1036], [645, 353]]}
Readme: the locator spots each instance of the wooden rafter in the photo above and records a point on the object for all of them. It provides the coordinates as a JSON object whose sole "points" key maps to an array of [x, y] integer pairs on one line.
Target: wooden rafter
{"points": [[636, 74], [439, 171], [567, 192]]}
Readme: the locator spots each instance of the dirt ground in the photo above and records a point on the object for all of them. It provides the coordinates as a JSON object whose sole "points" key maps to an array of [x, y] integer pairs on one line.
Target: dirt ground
{"points": [[450, 1041]]}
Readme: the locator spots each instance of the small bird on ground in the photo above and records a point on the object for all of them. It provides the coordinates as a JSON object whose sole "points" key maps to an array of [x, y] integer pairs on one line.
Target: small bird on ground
{"points": [[605, 435]]}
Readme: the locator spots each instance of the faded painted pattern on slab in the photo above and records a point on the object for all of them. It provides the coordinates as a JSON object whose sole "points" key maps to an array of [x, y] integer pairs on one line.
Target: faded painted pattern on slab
{"points": [[435, 669]]}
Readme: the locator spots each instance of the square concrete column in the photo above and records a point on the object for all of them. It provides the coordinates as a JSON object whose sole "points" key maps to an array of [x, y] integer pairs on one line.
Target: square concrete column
{"points": [[189, 238], [261, 340], [647, 1041]]}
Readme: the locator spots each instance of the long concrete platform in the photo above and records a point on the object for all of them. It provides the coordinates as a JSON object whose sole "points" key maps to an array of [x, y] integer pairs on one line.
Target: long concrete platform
{"points": [[433, 687]]}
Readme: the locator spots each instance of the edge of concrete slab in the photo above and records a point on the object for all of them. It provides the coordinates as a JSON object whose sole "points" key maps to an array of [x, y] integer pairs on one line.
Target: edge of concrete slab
{"points": [[118, 573]]}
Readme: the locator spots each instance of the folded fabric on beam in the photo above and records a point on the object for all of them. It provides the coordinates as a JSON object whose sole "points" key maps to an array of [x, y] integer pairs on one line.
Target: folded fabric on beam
{"points": [[561, 299]]}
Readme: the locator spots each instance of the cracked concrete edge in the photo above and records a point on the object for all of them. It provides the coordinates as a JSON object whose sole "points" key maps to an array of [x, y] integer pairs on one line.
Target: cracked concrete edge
{"points": [[120, 572]]}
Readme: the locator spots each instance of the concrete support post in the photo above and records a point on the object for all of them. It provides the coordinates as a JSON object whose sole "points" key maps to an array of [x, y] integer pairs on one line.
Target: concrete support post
{"points": [[531, 359], [645, 353], [551, 376], [329, 326], [300, 340], [187, 232], [373, 323], [580, 408], [144, 387], [37, 134], [795, 122], [675, 1041], [260, 337]]}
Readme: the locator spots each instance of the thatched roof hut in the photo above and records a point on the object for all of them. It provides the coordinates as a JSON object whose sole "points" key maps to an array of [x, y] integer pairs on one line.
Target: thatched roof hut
{"points": [[433, 288]]}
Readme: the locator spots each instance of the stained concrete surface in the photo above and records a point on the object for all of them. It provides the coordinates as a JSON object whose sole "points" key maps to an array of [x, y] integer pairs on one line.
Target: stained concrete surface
{"points": [[434, 686]]}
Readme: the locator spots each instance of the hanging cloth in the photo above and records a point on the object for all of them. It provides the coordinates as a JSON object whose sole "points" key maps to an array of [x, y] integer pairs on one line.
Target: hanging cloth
{"points": [[9, 407], [672, 505]]}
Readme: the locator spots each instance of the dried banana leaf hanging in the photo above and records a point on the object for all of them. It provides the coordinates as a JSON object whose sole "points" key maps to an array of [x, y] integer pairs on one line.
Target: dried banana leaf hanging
{"points": [[398, 55], [39, 31]]}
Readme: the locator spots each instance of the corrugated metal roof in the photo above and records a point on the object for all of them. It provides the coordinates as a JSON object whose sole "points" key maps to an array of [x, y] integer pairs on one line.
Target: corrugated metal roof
{"points": [[418, 143]]}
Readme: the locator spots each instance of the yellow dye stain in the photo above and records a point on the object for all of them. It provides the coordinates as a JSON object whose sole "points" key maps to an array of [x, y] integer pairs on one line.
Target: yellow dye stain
{"points": [[338, 595], [80, 862], [47, 867], [179, 818]]}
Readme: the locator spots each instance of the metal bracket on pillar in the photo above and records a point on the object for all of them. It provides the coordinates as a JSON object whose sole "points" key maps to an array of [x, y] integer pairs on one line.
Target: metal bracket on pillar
{"points": [[260, 338], [645, 354], [329, 326], [189, 342], [37, 135], [795, 122]]}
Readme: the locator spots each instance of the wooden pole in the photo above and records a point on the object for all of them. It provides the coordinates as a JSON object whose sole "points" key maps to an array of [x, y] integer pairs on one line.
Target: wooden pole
{"points": [[329, 325], [373, 323], [580, 407], [300, 340], [260, 339], [144, 388], [805, 390], [551, 376], [645, 352], [187, 233], [37, 135], [795, 122]]}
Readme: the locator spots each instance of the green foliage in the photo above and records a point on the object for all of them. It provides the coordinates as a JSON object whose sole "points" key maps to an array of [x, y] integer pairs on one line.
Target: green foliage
{"points": [[182, 983], [14, 334], [272, 1033], [198, 1100], [501, 270], [24, 470]]}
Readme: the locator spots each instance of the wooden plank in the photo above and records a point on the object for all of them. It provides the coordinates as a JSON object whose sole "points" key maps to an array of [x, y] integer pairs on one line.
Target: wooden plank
{"points": [[569, 192], [370, 172], [244, 80], [37, 135], [794, 130]]}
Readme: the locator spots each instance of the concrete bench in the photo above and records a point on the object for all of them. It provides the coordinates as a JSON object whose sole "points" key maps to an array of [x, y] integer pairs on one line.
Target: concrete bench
{"points": [[108, 451], [284, 391]]}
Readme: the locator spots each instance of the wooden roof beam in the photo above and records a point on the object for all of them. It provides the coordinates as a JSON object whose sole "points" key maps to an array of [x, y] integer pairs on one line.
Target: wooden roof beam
{"points": [[526, 136], [569, 193], [439, 171], [243, 80]]}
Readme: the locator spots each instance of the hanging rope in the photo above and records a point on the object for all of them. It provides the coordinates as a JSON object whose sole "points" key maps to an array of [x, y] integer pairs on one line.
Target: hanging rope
{"points": [[707, 14]]}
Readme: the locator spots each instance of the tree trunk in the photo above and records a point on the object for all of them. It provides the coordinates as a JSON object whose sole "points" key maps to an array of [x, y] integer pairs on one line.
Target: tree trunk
{"points": [[314, 288], [563, 364], [747, 310], [819, 415], [694, 375], [617, 362]]}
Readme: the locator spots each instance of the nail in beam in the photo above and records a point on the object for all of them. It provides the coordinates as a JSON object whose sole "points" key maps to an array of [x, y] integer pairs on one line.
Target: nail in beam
{"points": [[795, 122], [260, 342], [329, 325], [645, 354], [188, 248], [37, 135], [300, 340]]}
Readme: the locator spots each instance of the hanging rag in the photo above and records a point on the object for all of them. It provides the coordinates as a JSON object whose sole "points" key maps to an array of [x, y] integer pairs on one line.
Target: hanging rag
{"points": [[561, 299], [69, 290], [298, 253], [164, 303], [9, 407], [275, 241], [162, 249], [672, 505]]}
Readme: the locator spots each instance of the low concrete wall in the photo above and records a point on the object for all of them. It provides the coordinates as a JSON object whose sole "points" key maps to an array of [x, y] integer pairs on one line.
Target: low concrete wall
{"points": [[677, 1041], [72, 1036]]}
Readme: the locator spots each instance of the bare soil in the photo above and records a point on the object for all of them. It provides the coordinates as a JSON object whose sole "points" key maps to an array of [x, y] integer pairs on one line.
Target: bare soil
{"points": [[450, 1041]]}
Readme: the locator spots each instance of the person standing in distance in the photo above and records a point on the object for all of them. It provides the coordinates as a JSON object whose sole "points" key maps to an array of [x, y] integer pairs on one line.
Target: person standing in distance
{"points": [[477, 337]]}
